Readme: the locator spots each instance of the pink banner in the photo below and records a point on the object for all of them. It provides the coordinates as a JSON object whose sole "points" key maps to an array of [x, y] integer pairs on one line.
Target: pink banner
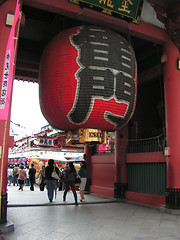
{"points": [[8, 73]]}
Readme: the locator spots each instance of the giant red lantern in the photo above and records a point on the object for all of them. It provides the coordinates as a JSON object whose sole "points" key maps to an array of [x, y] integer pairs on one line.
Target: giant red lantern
{"points": [[88, 79]]}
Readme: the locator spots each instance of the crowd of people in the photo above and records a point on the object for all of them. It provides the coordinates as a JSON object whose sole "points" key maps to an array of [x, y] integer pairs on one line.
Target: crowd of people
{"points": [[50, 176], [16, 173]]}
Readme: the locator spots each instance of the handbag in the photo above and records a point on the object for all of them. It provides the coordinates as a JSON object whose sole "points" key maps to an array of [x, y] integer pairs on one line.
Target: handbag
{"points": [[54, 174], [37, 181], [77, 179]]}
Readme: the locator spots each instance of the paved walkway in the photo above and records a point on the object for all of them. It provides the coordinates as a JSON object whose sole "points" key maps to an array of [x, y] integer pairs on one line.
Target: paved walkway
{"points": [[28, 198], [98, 218]]}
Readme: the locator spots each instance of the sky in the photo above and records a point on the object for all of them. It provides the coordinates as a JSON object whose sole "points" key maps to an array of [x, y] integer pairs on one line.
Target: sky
{"points": [[25, 110]]}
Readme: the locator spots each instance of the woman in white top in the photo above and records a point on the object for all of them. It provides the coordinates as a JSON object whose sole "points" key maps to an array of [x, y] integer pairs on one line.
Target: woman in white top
{"points": [[83, 175]]}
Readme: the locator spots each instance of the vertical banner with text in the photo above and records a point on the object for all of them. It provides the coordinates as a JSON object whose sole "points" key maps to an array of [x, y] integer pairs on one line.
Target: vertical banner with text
{"points": [[8, 73]]}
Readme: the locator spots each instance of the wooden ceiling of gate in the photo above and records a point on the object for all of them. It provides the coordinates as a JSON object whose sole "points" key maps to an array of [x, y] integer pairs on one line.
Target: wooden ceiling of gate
{"points": [[44, 19]]}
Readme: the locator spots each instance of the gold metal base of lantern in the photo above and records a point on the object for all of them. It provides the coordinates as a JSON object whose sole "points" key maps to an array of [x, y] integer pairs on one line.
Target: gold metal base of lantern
{"points": [[86, 136]]}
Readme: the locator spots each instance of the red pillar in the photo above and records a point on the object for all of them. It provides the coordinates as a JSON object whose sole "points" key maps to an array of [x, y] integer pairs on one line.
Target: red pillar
{"points": [[172, 109], [89, 151], [6, 7], [121, 142]]}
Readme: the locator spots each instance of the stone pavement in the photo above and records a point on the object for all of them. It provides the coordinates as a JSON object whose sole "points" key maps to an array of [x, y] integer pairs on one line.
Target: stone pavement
{"points": [[39, 198], [99, 218]]}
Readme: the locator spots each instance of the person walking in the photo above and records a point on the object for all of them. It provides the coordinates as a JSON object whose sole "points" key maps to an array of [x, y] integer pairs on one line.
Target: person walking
{"points": [[60, 183], [10, 175], [51, 181], [27, 179], [21, 177], [42, 178], [83, 175], [32, 174], [69, 175], [15, 174]]}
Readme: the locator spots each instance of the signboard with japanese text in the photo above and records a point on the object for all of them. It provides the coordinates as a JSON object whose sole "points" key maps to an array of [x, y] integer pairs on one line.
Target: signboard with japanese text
{"points": [[5, 80], [8, 74], [85, 136], [127, 9], [42, 141]]}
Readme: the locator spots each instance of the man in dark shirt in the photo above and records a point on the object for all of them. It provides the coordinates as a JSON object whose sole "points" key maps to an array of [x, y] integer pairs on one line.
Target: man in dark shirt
{"points": [[32, 173]]}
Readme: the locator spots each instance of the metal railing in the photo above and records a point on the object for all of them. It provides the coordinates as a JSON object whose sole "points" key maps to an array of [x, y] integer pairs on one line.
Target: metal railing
{"points": [[155, 144]]}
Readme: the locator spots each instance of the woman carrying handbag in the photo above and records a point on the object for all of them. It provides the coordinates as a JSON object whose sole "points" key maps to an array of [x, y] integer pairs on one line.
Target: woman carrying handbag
{"points": [[51, 175], [69, 175]]}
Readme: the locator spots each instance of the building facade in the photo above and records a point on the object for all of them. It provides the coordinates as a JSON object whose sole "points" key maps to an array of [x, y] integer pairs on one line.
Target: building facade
{"points": [[144, 167]]}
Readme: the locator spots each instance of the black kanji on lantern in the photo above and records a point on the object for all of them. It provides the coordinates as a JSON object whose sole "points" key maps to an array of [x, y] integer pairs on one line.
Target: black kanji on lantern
{"points": [[107, 70]]}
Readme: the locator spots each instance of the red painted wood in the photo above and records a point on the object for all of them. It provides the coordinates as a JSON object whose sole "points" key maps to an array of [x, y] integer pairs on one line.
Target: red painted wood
{"points": [[172, 110], [150, 157], [103, 178], [101, 159], [88, 151], [103, 191], [63, 7], [8, 6], [4, 31], [120, 155], [102, 175], [147, 199]]}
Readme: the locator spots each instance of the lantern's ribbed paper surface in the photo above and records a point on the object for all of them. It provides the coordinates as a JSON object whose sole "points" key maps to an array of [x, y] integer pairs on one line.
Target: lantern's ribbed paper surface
{"points": [[88, 79]]}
